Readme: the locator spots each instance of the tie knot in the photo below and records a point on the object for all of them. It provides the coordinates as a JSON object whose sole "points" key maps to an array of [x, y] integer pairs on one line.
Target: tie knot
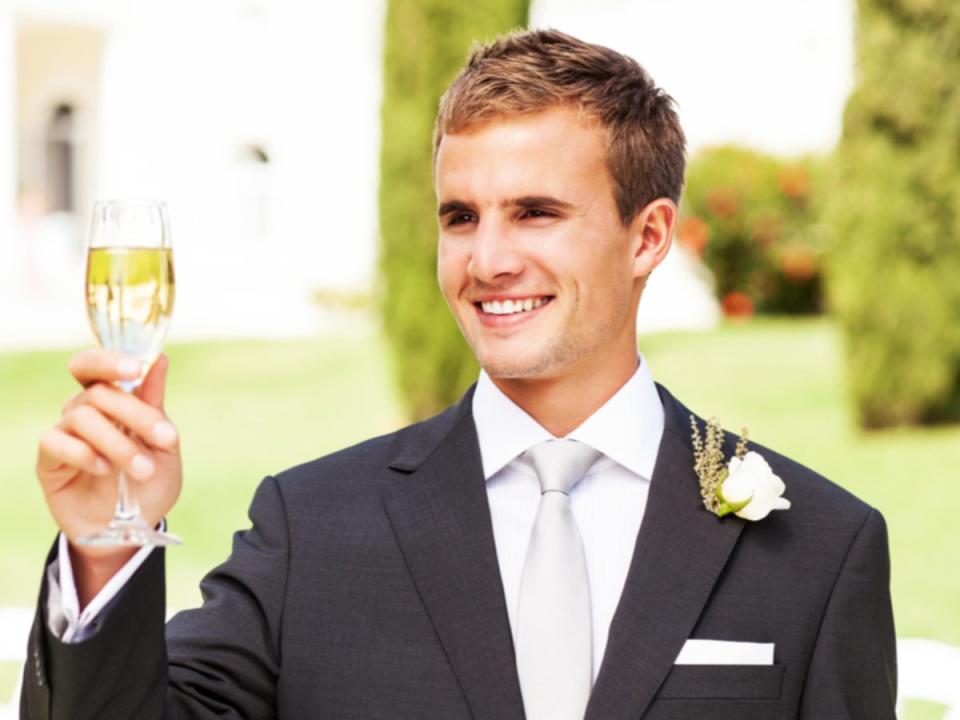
{"points": [[561, 464]]}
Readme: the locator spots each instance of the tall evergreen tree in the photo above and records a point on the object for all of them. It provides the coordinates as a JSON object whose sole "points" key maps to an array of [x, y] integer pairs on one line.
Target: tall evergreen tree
{"points": [[895, 209], [426, 43]]}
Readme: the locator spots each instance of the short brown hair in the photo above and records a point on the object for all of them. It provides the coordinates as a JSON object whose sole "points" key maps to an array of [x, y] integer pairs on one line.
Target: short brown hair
{"points": [[531, 71]]}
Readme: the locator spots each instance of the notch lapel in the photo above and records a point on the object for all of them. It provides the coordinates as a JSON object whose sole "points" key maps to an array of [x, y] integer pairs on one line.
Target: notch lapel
{"points": [[441, 518], [679, 554]]}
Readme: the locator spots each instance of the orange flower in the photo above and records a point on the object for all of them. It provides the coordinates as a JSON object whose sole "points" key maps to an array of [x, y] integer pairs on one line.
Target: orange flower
{"points": [[794, 181], [722, 201], [737, 305], [694, 233], [798, 263]]}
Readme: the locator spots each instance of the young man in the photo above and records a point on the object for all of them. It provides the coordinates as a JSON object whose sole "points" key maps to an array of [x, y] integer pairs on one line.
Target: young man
{"points": [[444, 571]]}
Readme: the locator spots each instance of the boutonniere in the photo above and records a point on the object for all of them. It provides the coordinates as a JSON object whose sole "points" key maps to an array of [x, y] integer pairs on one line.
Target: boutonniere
{"points": [[745, 486]]}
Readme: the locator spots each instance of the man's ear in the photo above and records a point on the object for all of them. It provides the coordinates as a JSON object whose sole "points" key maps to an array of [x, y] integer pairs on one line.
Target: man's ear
{"points": [[651, 233]]}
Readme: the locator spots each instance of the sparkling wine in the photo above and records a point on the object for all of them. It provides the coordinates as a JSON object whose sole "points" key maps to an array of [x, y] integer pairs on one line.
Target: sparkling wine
{"points": [[130, 298]]}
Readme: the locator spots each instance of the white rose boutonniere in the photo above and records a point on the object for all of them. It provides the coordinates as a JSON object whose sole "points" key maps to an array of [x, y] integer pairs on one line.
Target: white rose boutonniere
{"points": [[745, 486], [752, 488]]}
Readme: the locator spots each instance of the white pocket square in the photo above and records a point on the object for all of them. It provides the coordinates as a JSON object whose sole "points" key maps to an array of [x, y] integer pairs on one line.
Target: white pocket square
{"points": [[724, 652]]}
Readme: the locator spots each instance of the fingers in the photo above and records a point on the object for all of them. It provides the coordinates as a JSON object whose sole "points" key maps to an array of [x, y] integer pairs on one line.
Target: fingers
{"points": [[87, 437], [88, 425], [59, 449], [97, 365], [151, 391], [146, 422]]}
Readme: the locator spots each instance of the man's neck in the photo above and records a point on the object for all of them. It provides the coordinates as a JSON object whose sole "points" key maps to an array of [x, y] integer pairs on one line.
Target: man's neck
{"points": [[561, 404]]}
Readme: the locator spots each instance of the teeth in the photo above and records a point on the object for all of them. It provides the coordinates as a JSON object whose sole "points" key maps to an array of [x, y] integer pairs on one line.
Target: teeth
{"points": [[510, 307]]}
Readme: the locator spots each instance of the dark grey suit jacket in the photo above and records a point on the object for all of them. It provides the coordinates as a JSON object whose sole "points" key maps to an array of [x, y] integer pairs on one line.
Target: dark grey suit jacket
{"points": [[368, 587]]}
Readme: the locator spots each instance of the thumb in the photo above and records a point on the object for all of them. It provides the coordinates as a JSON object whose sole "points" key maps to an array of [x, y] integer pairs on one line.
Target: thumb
{"points": [[152, 388]]}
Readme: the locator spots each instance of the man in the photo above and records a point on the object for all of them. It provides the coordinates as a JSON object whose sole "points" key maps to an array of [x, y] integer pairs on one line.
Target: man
{"points": [[442, 571]]}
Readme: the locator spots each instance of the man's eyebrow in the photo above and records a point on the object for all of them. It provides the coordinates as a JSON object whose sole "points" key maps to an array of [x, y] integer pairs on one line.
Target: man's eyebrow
{"points": [[453, 206], [532, 201], [526, 202]]}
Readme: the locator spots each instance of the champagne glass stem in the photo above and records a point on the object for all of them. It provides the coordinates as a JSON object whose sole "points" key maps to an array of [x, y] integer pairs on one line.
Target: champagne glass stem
{"points": [[127, 508]]}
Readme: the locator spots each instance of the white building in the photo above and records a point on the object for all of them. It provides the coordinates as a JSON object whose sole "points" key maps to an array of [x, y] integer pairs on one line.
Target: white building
{"points": [[245, 116]]}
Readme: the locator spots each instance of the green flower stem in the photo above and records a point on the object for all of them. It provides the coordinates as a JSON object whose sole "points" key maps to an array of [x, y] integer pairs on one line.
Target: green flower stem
{"points": [[730, 507]]}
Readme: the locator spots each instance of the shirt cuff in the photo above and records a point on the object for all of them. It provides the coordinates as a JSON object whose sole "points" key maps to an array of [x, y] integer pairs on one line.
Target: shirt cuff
{"points": [[64, 618]]}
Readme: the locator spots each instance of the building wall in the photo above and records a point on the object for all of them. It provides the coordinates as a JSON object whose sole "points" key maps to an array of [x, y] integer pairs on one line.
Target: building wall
{"points": [[8, 154], [184, 101], [57, 64]]}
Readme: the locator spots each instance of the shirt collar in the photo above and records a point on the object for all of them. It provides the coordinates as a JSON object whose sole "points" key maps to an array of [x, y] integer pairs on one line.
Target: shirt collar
{"points": [[627, 428]]}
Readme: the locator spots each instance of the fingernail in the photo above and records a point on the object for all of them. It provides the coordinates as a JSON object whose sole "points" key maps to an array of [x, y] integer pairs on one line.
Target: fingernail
{"points": [[141, 467], [101, 466], [164, 433], [129, 367]]}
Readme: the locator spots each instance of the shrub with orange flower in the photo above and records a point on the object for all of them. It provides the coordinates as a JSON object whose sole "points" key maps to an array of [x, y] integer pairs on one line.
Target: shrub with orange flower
{"points": [[798, 263], [737, 305], [767, 229], [722, 201], [763, 239], [694, 232], [794, 181]]}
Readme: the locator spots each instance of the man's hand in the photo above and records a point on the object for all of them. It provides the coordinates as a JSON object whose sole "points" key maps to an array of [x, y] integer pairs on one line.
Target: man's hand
{"points": [[101, 431]]}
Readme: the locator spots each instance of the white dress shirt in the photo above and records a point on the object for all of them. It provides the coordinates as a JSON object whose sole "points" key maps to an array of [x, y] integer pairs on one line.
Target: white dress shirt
{"points": [[608, 503]]}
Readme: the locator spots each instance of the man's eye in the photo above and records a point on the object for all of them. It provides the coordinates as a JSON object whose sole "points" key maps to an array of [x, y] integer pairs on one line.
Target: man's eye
{"points": [[536, 213], [460, 218]]}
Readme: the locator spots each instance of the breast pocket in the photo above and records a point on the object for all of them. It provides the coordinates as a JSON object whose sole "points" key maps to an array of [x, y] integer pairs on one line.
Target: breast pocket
{"points": [[723, 682]]}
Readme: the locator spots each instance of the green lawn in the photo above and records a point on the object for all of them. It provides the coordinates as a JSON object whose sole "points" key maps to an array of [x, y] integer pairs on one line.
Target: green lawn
{"points": [[246, 409]]}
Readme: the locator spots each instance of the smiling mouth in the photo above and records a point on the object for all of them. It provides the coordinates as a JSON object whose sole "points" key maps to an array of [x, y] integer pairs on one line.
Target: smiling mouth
{"points": [[513, 307]]}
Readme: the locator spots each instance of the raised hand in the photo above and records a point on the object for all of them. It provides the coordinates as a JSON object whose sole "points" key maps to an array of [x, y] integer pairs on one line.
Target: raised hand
{"points": [[102, 430]]}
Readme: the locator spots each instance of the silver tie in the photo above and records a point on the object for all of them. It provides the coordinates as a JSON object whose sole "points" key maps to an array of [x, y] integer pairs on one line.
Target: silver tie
{"points": [[554, 638]]}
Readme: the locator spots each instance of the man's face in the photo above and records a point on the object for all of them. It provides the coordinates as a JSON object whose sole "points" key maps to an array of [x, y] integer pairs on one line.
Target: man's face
{"points": [[534, 262]]}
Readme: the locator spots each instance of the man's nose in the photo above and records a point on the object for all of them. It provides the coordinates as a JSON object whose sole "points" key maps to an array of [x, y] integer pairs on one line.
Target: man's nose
{"points": [[496, 253]]}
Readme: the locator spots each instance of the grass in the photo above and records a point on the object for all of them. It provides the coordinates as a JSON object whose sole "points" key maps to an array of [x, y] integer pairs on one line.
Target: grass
{"points": [[246, 409]]}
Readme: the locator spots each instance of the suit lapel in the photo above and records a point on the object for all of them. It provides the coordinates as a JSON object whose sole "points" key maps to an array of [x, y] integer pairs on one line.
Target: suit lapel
{"points": [[441, 519], [678, 556]]}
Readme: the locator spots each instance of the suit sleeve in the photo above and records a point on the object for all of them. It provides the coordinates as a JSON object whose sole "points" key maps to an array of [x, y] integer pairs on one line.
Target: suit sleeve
{"points": [[221, 660], [853, 670]]}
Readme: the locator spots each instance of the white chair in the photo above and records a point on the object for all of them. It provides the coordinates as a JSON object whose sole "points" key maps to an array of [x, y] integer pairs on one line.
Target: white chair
{"points": [[14, 628], [928, 670]]}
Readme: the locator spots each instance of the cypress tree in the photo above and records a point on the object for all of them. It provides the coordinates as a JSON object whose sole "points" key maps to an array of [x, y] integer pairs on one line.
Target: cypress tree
{"points": [[895, 211], [426, 44]]}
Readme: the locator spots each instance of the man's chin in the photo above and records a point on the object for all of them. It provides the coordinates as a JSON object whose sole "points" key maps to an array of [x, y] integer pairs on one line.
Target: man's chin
{"points": [[515, 368]]}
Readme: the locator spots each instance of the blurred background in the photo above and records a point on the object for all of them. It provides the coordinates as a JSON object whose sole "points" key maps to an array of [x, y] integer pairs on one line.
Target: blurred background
{"points": [[812, 293]]}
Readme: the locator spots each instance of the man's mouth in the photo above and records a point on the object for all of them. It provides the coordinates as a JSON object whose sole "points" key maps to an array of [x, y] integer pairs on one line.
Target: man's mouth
{"points": [[513, 306]]}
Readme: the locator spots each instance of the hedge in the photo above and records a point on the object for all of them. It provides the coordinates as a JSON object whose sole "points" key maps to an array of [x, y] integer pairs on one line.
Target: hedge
{"points": [[894, 278], [426, 43]]}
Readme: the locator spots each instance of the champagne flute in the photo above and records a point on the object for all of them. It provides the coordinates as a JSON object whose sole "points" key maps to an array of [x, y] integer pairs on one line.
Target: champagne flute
{"points": [[130, 289]]}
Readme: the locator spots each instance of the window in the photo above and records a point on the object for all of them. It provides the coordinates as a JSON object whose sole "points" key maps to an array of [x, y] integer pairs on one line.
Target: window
{"points": [[61, 159]]}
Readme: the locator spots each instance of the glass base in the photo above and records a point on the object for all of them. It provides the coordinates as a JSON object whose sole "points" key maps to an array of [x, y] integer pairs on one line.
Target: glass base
{"points": [[133, 532]]}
